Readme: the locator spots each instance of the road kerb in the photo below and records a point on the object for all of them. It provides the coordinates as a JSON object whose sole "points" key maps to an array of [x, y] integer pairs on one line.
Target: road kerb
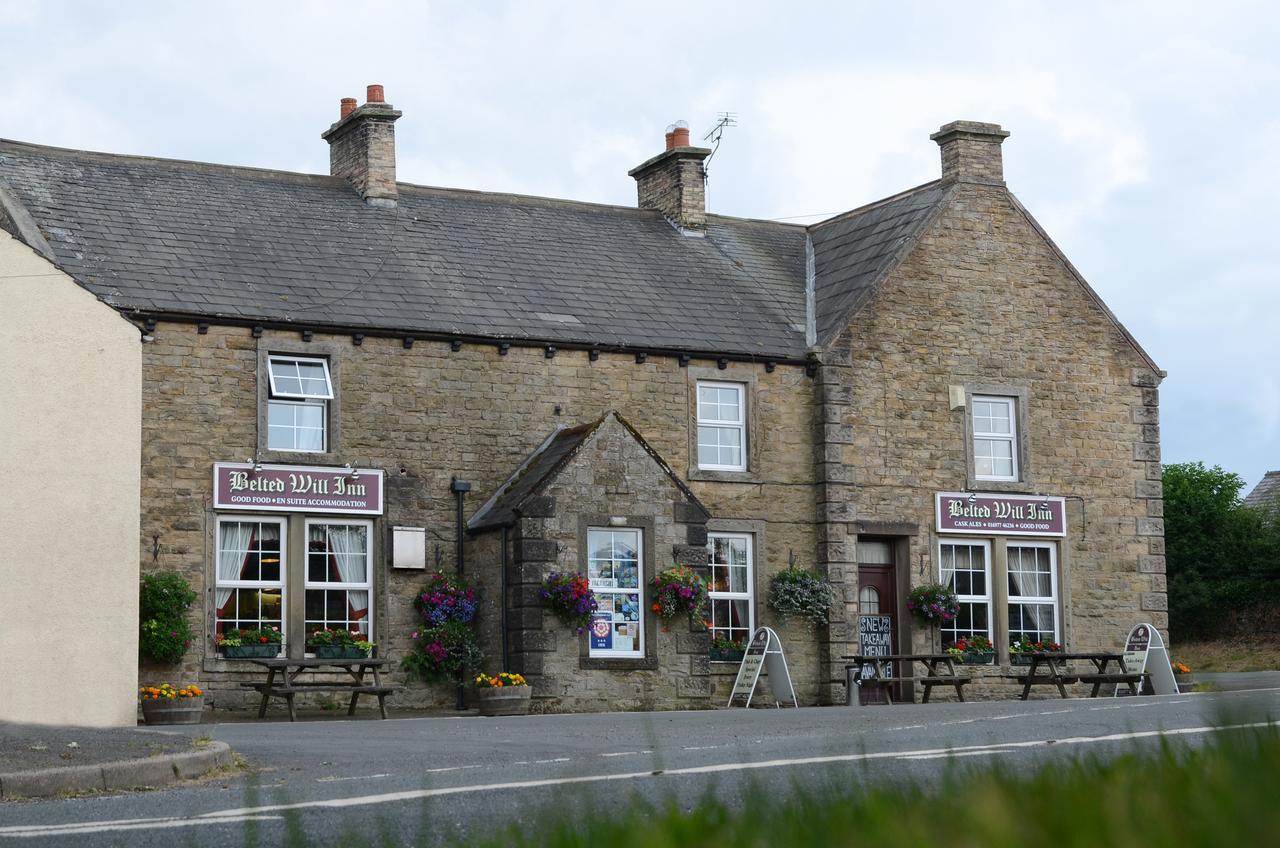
{"points": [[162, 770]]}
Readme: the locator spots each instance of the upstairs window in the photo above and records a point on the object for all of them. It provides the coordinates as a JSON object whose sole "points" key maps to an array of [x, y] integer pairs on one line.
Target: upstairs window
{"points": [[298, 406], [722, 427], [995, 438]]}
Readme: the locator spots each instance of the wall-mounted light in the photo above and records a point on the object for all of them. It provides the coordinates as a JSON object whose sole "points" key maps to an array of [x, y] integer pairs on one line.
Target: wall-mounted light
{"points": [[973, 497], [769, 365], [722, 363], [641, 356], [683, 359], [257, 331], [550, 352], [593, 354], [256, 463], [503, 348], [357, 339], [307, 335], [408, 342]]}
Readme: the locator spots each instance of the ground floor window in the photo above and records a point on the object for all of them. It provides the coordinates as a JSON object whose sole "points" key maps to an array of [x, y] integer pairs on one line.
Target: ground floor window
{"points": [[251, 569], [729, 556], [966, 570], [1033, 591], [339, 576], [614, 557]]}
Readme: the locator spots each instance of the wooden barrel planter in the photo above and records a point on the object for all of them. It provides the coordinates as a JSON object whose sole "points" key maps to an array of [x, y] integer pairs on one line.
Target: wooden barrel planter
{"points": [[173, 710], [503, 700]]}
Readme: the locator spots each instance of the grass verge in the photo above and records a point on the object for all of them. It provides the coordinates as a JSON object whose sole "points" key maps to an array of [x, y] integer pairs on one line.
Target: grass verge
{"points": [[1220, 794], [1259, 654]]}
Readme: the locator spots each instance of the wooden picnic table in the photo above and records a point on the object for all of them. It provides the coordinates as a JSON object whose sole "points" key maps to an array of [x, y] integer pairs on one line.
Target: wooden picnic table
{"points": [[287, 670], [1057, 673], [940, 670]]}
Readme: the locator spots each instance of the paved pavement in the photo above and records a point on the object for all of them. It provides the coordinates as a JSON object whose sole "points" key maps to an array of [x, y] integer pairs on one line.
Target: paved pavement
{"points": [[431, 779]]}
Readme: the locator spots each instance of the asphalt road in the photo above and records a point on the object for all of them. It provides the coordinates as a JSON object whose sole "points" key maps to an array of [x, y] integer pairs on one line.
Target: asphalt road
{"points": [[434, 780]]}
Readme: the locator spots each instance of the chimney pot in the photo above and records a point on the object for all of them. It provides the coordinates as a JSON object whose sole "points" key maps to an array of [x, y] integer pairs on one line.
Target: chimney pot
{"points": [[671, 138], [374, 94], [348, 106], [680, 134]]}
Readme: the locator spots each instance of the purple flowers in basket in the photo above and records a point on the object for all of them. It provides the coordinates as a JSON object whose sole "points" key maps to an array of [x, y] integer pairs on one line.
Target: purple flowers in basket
{"points": [[446, 599]]}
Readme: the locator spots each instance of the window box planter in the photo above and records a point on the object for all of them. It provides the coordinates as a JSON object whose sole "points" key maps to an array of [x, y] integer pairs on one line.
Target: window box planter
{"points": [[727, 655], [247, 652], [503, 700], [173, 710], [976, 658], [1025, 659], [338, 652]]}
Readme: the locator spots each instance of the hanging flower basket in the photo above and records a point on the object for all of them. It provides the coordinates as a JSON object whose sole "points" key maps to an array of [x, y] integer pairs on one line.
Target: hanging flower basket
{"points": [[933, 603]]}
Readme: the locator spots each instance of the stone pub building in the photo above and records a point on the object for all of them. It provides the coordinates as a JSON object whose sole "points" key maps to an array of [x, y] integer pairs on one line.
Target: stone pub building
{"points": [[340, 383]]}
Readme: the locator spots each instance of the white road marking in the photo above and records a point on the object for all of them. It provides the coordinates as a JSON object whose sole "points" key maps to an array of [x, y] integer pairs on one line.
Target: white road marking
{"points": [[460, 768], [959, 754], [685, 748], [253, 813], [340, 779], [556, 760], [632, 753]]}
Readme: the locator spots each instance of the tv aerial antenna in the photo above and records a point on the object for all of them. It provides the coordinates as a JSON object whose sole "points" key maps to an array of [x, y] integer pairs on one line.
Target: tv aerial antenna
{"points": [[724, 120]]}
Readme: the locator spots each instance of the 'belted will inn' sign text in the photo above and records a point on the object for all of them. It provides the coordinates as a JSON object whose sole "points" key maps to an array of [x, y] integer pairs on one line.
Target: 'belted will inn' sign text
{"points": [[297, 488], [1001, 515]]}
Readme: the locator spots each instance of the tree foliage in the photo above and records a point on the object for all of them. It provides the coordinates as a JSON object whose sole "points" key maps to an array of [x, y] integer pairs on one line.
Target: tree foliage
{"points": [[1222, 557]]}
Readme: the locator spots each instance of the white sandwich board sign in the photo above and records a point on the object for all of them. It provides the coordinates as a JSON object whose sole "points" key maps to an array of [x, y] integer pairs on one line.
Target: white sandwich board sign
{"points": [[763, 652], [1144, 651]]}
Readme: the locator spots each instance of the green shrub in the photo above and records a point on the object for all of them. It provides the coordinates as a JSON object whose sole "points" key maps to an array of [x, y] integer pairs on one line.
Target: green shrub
{"points": [[164, 633]]}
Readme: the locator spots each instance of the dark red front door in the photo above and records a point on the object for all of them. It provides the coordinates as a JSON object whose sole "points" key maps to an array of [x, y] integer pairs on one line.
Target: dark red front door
{"points": [[877, 615]]}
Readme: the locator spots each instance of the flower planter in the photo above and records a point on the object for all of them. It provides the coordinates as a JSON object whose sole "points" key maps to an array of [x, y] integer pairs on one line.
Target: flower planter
{"points": [[245, 652], [338, 652], [718, 655], [975, 658], [172, 710], [503, 700], [1019, 659]]}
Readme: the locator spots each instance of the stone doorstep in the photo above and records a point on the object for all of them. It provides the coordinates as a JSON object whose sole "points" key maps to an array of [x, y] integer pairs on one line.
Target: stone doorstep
{"points": [[124, 774]]}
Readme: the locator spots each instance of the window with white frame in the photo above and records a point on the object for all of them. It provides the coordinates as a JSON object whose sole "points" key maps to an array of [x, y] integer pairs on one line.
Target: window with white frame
{"points": [[722, 426], [1033, 591], [731, 592], [614, 560], [298, 406], [966, 570], [995, 437], [249, 586], [339, 580]]}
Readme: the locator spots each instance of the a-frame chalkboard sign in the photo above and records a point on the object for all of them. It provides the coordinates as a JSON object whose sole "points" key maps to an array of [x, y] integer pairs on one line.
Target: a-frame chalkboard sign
{"points": [[764, 651]]}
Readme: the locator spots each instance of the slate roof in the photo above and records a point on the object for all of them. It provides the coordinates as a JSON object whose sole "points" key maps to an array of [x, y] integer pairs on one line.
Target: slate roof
{"points": [[542, 466], [178, 238], [1267, 492]]}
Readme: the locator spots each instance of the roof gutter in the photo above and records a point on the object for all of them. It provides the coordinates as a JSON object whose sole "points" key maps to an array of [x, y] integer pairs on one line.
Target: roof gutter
{"points": [[411, 335]]}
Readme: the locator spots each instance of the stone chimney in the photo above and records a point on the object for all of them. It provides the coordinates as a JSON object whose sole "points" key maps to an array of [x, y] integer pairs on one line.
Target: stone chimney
{"points": [[362, 147], [971, 152], [673, 182]]}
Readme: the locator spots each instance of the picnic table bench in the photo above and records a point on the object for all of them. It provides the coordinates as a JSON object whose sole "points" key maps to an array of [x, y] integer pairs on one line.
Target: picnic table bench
{"points": [[288, 685], [940, 670], [1051, 669]]}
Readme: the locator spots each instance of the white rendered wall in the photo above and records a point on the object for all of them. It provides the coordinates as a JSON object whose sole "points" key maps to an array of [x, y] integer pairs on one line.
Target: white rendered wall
{"points": [[70, 442]]}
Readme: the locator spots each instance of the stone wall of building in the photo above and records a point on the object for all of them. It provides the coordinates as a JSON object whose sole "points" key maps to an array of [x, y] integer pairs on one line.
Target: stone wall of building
{"points": [[426, 414], [610, 481], [985, 299]]}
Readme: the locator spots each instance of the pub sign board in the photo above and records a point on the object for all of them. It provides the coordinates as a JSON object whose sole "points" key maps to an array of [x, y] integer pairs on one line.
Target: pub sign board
{"points": [[297, 488], [1001, 515]]}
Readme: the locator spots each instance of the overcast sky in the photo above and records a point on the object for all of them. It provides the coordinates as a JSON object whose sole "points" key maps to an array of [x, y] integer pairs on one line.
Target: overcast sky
{"points": [[1146, 138]]}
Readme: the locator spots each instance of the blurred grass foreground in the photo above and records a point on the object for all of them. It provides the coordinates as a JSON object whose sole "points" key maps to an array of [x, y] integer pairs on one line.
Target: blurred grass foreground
{"points": [[1224, 793]]}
